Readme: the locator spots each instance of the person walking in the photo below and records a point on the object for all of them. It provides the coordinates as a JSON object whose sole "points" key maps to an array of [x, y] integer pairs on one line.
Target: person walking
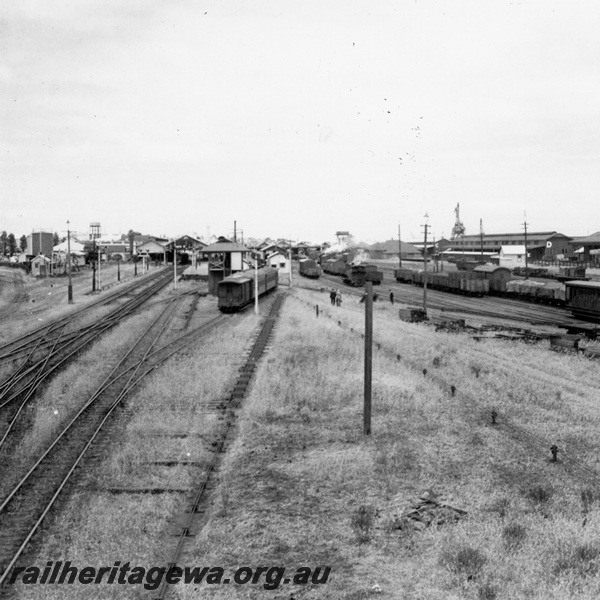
{"points": [[391, 297], [338, 298], [332, 295]]}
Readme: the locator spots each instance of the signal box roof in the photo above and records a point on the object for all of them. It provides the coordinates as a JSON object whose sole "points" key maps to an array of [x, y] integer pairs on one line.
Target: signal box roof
{"points": [[225, 247]]}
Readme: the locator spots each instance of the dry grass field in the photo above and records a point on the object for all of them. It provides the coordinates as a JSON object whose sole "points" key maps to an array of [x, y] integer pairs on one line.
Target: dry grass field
{"points": [[437, 503]]}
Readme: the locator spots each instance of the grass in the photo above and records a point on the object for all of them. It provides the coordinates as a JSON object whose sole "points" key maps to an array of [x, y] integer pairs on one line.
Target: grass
{"points": [[96, 527], [302, 486]]}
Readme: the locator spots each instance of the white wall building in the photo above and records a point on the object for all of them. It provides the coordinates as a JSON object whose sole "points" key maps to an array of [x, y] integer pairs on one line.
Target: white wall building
{"points": [[512, 256]]}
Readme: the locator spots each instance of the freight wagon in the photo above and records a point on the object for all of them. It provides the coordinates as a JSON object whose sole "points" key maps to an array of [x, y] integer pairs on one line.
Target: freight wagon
{"points": [[497, 276], [335, 266], [309, 268]]}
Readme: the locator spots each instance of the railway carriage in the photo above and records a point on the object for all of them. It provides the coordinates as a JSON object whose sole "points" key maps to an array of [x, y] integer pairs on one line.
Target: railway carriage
{"points": [[237, 291], [583, 298]]}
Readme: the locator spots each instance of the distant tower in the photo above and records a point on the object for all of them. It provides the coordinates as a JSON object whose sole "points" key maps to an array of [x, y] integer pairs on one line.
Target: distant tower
{"points": [[94, 231], [459, 228], [343, 237]]}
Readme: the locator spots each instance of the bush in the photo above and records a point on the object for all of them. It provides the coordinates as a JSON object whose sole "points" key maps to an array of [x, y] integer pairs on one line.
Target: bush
{"points": [[513, 535], [464, 561], [539, 494], [582, 559], [362, 523]]}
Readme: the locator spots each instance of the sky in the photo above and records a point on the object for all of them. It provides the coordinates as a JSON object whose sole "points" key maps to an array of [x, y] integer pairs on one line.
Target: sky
{"points": [[299, 118]]}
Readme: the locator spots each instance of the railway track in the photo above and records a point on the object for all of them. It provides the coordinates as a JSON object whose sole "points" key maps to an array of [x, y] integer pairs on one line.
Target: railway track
{"points": [[573, 465], [25, 506], [489, 306], [22, 345], [57, 350], [194, 510]]}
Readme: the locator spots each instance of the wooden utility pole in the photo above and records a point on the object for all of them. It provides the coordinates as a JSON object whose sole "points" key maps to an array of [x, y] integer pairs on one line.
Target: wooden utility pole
{"points": [[425, 266], [481, 236], [399, 248], [526, 262], [256, 284], [368, 357], [174, 264], [70, 287], [94, 266]]}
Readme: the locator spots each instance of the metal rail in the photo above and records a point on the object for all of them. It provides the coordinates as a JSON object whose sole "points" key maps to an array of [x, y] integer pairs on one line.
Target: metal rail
{"points": [[150, 357], [59, 356], [238, 393]]}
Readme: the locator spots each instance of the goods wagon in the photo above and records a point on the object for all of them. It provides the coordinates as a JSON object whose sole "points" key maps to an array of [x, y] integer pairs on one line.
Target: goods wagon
{"points": [[358, 275], [456, 282], [497, 276], [549, 292], [309, 268], [335, 266], [571, 273], [583, 298], [237, 291], [404, 275]]}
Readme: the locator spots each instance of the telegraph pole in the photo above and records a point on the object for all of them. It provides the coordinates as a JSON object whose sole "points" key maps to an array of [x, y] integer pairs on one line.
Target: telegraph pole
{"points": [[399, 248], [481, 236], [425, 266], [174, 264], [368, 357], [99, 267], [94, 268], [526, 262], [256, 284], [70, 286], [290, 264]]}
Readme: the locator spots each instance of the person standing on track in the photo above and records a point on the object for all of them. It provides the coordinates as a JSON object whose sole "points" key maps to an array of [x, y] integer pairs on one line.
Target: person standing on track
{"points": [[391, 297], [332, 295]]}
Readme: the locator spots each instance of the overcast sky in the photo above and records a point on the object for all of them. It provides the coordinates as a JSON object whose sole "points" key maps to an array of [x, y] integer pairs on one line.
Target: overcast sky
{"points": [[299, 118]]}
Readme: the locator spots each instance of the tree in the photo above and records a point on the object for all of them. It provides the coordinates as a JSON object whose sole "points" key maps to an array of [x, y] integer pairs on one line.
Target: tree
{"points": [[55, 239], [23, 243], [4, 242], [12, 244]]}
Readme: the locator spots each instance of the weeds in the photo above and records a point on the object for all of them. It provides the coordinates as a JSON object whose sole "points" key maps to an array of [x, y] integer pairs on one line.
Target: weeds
{"points": [[500, 506], [465, 561], [362, 523], [513, 535], [487, 592], [583, 559], [539, 495], [587, 499]]}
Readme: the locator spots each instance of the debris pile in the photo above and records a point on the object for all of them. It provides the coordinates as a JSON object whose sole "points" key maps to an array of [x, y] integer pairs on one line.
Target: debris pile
{"points": [[427, 509]]}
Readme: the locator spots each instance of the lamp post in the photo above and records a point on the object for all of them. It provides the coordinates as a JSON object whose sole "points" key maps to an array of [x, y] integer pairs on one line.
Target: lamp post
{"points": [[70, 286]]}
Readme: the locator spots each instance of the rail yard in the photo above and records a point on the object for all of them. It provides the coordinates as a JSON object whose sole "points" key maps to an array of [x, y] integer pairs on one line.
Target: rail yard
{"points": [[144, 420]]}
